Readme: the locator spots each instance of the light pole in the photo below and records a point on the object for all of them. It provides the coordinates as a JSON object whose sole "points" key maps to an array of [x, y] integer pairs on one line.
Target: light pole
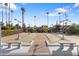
{"points": [[18, 28]]}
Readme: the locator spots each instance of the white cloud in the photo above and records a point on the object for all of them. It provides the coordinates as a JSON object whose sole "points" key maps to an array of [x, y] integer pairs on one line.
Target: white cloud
{"points": [[13, 6], [76, 4], [61, 10], [53, 14]]}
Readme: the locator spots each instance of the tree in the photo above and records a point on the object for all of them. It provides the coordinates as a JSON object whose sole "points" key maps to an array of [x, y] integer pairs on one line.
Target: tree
{"points": [[6, 4], [59, 13], [73, 29], [11, 16], [45, 28], [31, 29], [56, 28], [39, 29], [2, 17], [23, 25], [17, 26], [47, 18], [34, 24], [34, 20]]}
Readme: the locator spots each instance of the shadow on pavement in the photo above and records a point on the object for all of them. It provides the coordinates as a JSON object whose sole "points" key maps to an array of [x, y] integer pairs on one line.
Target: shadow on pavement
{"points": [[5, 51], [60, 52]]}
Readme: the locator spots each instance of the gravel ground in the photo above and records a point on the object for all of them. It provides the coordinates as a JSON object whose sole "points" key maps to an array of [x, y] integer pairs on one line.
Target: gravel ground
{"points": [[24, 37]]}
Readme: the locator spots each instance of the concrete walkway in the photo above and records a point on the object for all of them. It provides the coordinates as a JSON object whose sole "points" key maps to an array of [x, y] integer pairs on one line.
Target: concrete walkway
{"points": [[39, 46]]}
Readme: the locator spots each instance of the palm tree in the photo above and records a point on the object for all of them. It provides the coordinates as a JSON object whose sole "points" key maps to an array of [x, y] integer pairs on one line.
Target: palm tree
{"points": [[11, 16], [59, 13], [34, 24], [34, 20], [47, 19], [6, 4], [23, 11], [2, 16]]}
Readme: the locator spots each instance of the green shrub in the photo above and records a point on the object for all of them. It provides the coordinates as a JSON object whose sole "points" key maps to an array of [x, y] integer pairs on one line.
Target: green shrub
{"points": [[10, 32]]}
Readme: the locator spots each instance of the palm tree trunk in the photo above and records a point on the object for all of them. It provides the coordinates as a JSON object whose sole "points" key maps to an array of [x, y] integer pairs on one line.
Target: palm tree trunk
{"points": [[22, 19], [2, 16], [23, 25], [6, 15], [9, 15]]}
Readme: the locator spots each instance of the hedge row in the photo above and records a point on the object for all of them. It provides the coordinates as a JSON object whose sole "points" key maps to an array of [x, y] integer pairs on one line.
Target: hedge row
{"points": [[10, 32]]}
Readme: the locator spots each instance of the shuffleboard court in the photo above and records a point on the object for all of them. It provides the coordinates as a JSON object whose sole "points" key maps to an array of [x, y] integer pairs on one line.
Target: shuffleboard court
{"points": [[39, 46]]}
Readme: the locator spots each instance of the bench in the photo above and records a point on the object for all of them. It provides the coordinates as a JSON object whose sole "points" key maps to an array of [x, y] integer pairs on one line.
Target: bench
{"points": [[10, 43], [77, 49], [71, 45]]}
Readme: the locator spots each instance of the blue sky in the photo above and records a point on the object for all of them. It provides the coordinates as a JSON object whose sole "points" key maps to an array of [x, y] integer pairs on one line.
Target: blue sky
{"points": [[40, 9]]}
